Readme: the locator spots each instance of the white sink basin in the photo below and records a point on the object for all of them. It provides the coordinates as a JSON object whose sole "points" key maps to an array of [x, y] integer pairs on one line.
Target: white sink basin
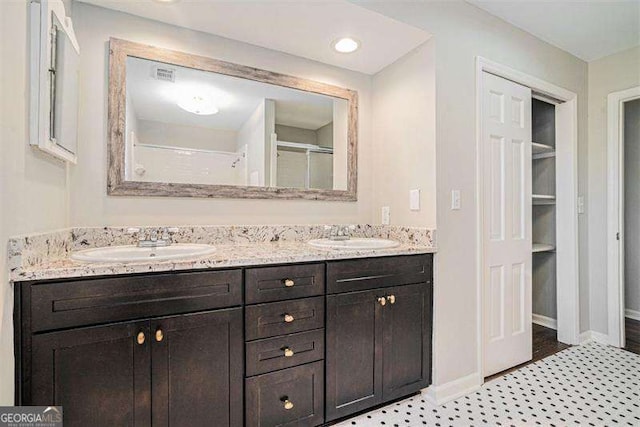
{"points": [[136, 254], [354, 243]]}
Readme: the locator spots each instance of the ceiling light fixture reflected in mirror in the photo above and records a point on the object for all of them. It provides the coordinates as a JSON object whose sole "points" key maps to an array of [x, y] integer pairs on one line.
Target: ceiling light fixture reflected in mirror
{"points": [[346, 45], [201, 105]]}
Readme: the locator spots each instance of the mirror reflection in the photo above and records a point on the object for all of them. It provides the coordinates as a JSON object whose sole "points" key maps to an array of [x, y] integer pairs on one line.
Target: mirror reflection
{"points": [[190, 126]]}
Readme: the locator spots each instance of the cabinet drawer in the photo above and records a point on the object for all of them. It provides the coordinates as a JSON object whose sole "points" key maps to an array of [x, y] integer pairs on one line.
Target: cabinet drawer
{"points": [[272, 354], [291, 397], [279, 318], [371, 273], [84, 302], [286, 282]]}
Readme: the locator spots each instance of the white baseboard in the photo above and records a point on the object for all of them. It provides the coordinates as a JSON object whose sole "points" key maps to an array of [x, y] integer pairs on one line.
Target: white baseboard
{"points": [[632, 314], [439, 394], [545, 321], [594, 336]]}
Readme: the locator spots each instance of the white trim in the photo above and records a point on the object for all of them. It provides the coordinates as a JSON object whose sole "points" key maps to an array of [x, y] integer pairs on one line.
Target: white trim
{"points": [[615, 213], [437, 395], [632, 314], [593, 336], [569, 304], [545, 321]]}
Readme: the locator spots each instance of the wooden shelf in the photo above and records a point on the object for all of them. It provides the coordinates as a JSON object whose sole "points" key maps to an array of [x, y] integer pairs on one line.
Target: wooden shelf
{"points": [[543, 199], [542, 247], [542, 151], [537, 148]]}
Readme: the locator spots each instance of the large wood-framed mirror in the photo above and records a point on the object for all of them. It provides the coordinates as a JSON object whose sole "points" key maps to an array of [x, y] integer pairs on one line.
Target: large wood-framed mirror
{"points": [[182, 125]]}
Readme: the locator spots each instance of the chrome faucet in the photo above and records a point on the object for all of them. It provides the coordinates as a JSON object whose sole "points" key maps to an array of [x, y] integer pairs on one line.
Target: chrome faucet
{"points": [[152, 238], [340, 232]]}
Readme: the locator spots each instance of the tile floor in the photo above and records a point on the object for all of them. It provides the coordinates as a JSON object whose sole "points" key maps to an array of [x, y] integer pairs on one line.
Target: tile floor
{"points": [[587, 385]]}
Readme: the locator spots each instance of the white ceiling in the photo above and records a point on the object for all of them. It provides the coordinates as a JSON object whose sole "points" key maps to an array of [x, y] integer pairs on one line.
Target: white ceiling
{"points": [[303, 28], [236, 98], [586, 29]]}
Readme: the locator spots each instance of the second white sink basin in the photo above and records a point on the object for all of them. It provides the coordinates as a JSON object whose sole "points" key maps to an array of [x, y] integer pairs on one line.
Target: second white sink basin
{"points": [[354, 243], [137, 254]]}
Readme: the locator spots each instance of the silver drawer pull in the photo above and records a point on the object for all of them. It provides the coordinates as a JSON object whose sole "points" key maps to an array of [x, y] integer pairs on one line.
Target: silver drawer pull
{"points": [[287, 352], [289, 282], [288, 318]]}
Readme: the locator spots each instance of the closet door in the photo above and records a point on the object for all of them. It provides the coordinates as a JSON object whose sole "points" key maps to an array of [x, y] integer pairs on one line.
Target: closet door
{"points": [[506, 204]]}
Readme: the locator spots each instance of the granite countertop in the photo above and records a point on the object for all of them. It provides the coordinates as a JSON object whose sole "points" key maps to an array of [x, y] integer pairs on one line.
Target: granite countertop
{"points": [[47, 256], [226, 255]]}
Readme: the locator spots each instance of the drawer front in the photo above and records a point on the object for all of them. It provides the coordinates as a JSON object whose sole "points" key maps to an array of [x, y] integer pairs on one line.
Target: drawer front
{"points": [[371, 273], [281, 283], [291, 397], [280, 318], [84, 302], [272, 354]]}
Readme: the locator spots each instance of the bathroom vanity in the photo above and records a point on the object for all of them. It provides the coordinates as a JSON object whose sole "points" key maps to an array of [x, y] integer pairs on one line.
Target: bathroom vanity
{"points": [[290, 344]]}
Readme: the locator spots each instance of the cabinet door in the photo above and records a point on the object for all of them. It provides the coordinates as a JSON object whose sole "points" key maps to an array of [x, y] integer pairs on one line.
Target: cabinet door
{"points": [[197, 364], [407, 340], [354, 353], [100, 375]]}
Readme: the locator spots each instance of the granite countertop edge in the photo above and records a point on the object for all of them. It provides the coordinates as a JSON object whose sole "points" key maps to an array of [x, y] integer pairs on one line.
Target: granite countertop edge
{"points": [[226, 256]]}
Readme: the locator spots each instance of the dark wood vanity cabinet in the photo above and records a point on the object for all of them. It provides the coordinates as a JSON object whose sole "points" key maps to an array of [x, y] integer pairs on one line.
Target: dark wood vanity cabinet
{"points": [[196, 369], [100, 375], [378, 341], [285, 345], [309, 343], [180, 369]]}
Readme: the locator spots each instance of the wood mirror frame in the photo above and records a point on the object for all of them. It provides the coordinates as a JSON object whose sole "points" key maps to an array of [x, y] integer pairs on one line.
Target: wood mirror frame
{"points": [[117, 185]]}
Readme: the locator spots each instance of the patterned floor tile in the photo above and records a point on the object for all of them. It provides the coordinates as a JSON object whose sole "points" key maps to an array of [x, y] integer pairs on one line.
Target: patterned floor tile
{"points": [[587, 385]]}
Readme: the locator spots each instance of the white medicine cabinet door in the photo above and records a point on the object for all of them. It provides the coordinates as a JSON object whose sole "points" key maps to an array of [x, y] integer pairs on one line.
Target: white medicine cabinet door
{"points": [[54, 69]]}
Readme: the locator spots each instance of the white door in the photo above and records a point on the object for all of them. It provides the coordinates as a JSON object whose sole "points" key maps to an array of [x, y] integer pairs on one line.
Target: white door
{"points": [[506, 154]]}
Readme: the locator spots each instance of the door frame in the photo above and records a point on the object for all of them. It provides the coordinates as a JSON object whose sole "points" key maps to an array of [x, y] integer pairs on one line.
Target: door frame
{"points": [[615, 212], [567, 290]]}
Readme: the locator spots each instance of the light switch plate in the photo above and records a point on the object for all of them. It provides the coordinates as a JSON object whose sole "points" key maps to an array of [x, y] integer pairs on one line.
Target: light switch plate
{"points": [[386, 215], [455, 200], [414, 200]]}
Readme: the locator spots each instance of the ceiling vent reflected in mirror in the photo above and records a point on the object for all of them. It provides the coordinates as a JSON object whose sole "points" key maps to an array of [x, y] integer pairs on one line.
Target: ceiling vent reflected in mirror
{"points": [[164, 74]]}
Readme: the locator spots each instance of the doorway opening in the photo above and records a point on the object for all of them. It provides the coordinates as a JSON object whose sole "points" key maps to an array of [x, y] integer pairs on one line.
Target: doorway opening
{"points": [[623, 240]]}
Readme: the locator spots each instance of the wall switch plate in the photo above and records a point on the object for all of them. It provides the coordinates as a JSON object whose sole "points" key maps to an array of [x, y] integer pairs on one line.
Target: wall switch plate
{"points": [[580, 204], [455, 200], [414, 200], [386, 215]]}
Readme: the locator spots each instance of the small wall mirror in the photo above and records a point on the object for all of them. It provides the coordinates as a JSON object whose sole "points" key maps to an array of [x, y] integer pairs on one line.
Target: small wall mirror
{"points": [[55, 61], [185, 125]]}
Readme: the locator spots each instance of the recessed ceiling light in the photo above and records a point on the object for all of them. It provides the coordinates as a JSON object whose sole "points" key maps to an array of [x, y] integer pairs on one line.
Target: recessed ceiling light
{"points": [[201, 105], [346, 45]]}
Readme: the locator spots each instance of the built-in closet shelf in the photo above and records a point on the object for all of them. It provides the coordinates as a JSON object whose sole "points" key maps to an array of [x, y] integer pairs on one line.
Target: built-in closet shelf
{"points": [[537, 148], [304, 147], [543, 199], [542, 247], [542, 151]]}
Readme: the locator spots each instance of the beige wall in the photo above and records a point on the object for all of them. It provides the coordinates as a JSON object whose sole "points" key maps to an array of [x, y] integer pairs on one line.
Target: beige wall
{"points": [[461, 32], [89, 203], [610, 74], [33, 186], [404, 133]]}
